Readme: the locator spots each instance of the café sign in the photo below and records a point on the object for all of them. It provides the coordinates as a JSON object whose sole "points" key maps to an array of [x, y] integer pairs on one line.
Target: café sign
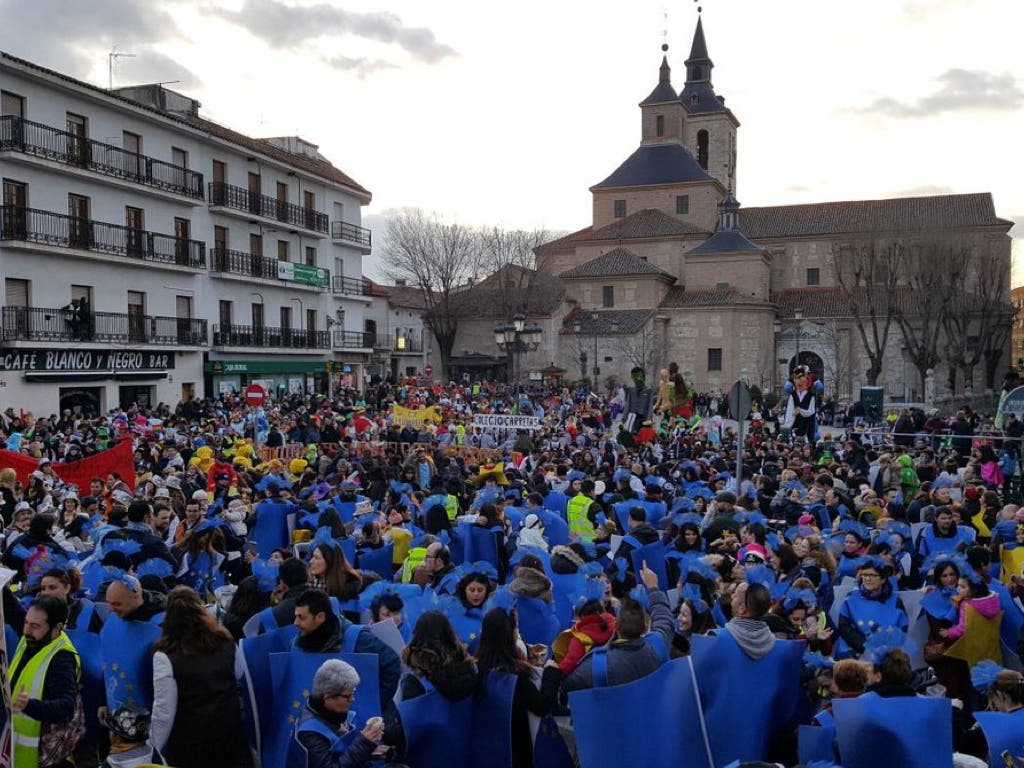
{"points": [[84, 360]]}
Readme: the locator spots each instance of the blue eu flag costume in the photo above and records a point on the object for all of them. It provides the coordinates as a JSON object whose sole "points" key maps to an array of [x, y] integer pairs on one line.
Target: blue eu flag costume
{"points": [[538, 622], [432, 720], [271, 529], [257, 686], [1004, 731], [127, 653], [292, 677], [908, 732], [769, 689], [90, 654], [661, 712]]}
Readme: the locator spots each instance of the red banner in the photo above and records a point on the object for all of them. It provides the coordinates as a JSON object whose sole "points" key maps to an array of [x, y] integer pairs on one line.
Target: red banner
{"points": [[118, 460]]}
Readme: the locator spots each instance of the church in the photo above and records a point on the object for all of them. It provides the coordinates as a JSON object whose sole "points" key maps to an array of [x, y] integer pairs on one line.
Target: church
{"points": [[673, 268]]}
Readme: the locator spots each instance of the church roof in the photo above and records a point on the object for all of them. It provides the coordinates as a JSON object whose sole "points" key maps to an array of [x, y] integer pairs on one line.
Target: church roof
{"points": [[728, 237], [650, 222], [617, 262], [678, 297], [825, 302], [855, 216], [599, 322], [656, 164], [486, 301], [664, 91]]}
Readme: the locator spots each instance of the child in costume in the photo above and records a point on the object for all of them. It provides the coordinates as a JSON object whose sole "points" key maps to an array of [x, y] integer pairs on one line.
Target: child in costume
{"points": [[593, 627]]}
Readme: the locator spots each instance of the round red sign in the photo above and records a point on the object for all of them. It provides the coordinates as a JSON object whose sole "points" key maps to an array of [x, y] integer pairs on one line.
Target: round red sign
{"points": [[254, 395]]}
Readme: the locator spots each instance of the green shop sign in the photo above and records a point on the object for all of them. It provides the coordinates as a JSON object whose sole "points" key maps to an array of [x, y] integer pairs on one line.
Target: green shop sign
{"points": [[233, 367], [302, 273]]}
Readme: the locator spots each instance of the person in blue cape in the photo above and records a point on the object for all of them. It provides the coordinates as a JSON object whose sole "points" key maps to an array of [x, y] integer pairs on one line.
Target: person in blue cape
{"points": [[466, 611], [292, 579], [203, 558], [943, 535], [324, 736], [126, 642], [437, 661], [499, 654], [632, 653], [1000, 727], [873, 606], [856, 538], [939, 608]]}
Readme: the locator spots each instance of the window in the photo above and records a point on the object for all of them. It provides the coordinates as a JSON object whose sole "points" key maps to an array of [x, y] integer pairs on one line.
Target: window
{"points": [[620, 209], [310, 319], [608, 295], [813, 276], [715, 359], [136, 316], [659, 125], [311, 255], [183, 307], [220, 172], [282, 192], [257, 316], [131, 142], [282, 250], [702, 148], [15, 193], [682, 204], [81, 292], [133, 221], [224, 312], [11, 104], [220, 238], [286, 317], [77, 139], [179, 157], [78, 226], [16, 292], [256, 245], [308, 201]]}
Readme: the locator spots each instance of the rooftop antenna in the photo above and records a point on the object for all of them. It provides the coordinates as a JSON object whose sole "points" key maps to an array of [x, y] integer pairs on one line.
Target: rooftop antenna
{"points": [[110, 65]]}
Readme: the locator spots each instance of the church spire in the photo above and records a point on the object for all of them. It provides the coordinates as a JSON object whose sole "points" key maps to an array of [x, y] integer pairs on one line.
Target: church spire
{"points": [[699, 64], [664, 91]]}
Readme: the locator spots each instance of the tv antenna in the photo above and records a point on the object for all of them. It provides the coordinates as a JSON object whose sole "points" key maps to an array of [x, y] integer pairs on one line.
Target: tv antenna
{"points": [[114, 54]]}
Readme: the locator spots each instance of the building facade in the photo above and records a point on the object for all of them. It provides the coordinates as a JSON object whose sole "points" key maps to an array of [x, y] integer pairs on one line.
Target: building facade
{"points": [[671, 268], [150, 255]]}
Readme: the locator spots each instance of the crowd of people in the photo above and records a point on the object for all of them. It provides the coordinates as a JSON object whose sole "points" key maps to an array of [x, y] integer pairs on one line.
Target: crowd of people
{"points": [[321, 583]]}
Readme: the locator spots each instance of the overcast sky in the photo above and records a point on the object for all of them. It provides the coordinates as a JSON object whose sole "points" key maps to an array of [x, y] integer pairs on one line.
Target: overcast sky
{"points": [[506, 113]]}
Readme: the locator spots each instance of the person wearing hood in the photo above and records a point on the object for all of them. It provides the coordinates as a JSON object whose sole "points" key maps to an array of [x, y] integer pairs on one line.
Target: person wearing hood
{"points": [[323, 631], [641, 533], [531, 534], [530, 580]]}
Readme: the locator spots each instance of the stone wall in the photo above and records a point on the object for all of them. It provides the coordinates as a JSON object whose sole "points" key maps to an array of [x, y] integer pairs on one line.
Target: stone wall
{"points": [[703, 202]]}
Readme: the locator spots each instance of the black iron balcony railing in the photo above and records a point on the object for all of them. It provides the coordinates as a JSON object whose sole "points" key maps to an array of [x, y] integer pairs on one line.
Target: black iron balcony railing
{"points": [[39, 324], [44, 141], [253, 265], [266, 336], [241, 199], [352, 339], [353, 233], [351, 286], [411, 343], [56, 229]]}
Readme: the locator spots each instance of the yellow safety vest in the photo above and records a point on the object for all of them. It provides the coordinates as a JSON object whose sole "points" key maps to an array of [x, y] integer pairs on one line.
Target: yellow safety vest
{"points": [[416, 557], [451, 506], [580, 526], [26, 730]]}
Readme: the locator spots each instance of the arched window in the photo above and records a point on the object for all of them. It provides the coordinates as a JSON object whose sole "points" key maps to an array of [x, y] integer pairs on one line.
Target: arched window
{"points": [[702, 149]]}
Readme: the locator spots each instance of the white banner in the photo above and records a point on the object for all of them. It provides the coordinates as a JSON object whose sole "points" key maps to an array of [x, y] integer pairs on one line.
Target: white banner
{"points": [[505, 421]]}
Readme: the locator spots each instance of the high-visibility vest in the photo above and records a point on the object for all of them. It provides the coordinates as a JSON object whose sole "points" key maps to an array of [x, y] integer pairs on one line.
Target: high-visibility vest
{"points": [[580, 526], [416, 557], [451, 505], [25, 729]]}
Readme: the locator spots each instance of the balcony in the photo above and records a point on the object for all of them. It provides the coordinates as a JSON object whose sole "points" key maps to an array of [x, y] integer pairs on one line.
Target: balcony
{"points": [[402, 345], [48, 143], [350, 286], [240, 199], [264, 268], [352, 340], [265, 336], [351, 233], [59, 231], [38, 324]]}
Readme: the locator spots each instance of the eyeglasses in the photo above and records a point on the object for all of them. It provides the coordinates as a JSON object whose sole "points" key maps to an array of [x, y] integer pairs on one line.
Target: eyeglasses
{"points": [[870, 576]]}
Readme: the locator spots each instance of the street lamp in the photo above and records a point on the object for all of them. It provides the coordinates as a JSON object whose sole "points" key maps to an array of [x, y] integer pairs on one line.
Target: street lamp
{"points": [[577, 328], [798, 333], [516, 338]]}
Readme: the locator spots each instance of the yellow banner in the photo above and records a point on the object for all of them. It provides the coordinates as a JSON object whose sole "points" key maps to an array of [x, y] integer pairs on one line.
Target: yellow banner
{"points": [[414, 417]]}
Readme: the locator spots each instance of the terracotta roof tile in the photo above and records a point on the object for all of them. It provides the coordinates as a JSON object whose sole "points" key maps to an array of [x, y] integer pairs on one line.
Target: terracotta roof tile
{"points": [[616, 262], [679, 297], [541, 298], [599, 322], [649, 222]]}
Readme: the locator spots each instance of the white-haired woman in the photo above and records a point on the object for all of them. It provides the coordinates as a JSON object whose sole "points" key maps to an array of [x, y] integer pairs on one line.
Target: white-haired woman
{"points": [[324, 737]]}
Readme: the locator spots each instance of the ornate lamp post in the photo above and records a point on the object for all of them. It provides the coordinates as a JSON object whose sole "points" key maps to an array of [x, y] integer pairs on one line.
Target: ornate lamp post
{"points": [[516, 338]]}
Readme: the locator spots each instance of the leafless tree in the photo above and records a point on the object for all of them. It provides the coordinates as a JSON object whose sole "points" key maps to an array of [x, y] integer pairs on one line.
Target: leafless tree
{"points": [[507, 259], [835, 342], [934, 269], [644, 349], [437, 257], [992, 292], [868, 272]]}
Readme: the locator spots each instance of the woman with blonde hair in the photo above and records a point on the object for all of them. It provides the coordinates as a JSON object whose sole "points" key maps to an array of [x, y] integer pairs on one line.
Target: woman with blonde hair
{"points": [[8, 493]]}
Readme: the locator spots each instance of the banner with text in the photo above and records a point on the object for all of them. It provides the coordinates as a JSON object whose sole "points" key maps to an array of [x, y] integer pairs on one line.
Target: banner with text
{"points": [[414, 417], [505, 421]]}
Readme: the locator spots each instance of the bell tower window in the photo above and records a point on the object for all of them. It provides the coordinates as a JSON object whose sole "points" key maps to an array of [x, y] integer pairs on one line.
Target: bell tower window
{"points": [[659, 126], [702, 148]]}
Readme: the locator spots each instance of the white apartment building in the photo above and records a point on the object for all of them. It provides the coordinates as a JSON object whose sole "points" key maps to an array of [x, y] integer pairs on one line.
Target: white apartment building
{"points": [[150, 255], [402, 343]]}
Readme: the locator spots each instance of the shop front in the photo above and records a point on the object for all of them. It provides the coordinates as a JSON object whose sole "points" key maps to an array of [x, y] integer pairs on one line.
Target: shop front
{"points": [[90, 382], [279, 378]]}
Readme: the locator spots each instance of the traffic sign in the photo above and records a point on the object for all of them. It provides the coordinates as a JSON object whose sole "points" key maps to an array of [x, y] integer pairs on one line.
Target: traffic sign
{"points": [[254, 395], [739, 401]]}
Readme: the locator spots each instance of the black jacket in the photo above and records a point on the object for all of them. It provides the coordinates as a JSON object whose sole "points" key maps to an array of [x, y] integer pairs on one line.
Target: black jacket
{"points": [[318, 748], [60, 690]]}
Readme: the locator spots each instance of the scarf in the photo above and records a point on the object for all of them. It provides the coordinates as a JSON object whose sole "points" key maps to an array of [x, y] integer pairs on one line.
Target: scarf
{"points": [[752, 635]]}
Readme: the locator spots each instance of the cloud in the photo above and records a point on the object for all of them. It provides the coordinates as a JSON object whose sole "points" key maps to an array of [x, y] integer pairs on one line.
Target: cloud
{"points": [[74, 37], [151, 66], [284, 26], [1017, 230], [959, 90], [362, 66]]}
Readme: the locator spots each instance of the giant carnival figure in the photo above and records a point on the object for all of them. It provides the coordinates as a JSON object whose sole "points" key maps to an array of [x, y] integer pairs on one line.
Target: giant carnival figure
{"points": [[801, 405]]}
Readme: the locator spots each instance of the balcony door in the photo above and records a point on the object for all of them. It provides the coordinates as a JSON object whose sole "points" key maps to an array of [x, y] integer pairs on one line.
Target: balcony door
{"points": [[309, 206], [286, 326], [78, 225], [255, 193], [182, 237], [16, 314], [14, 225], [77, 139], [258, 324], [136, 317], [183, 316], [84, 319], [134, 221], [131, 143], [282, 201]]}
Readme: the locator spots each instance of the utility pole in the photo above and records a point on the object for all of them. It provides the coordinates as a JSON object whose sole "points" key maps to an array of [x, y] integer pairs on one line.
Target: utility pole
{"points": [[110, 65]]}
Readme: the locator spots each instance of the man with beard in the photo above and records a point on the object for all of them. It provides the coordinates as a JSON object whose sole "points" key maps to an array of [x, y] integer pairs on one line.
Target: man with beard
{"points": [[45, 673]]}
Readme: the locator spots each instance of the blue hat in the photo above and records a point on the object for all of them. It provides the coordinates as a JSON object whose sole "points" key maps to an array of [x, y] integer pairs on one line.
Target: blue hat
{"points": [[620, 474], [575, 474], [653, 481]]}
